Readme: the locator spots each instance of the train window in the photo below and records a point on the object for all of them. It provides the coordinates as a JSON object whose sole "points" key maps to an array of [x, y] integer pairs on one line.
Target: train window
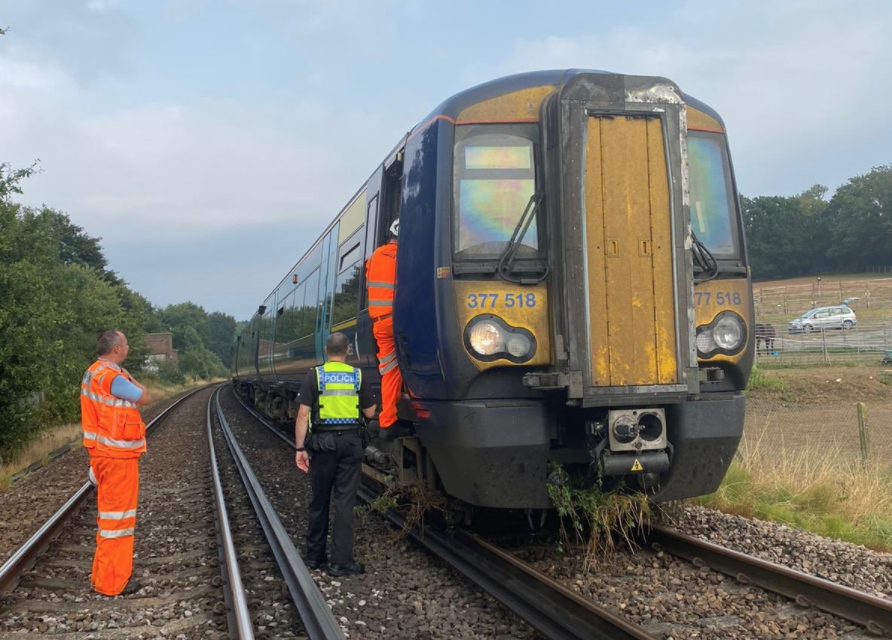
{"points": [[495, 177], [712, 205], [307, 312], [346, 299], [349, 255]]}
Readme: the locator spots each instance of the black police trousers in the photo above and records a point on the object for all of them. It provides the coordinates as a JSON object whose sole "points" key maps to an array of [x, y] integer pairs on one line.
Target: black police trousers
{"points": [[335, 474]]}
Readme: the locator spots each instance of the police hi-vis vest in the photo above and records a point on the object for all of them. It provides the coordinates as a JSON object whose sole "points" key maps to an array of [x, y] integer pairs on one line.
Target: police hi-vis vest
{"points": [[338, 385], [112, 427]]}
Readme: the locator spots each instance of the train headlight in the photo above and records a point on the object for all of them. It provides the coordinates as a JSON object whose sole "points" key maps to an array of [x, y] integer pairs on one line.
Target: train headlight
{"points": [[486, 338], [726, 334], [490, 338]]}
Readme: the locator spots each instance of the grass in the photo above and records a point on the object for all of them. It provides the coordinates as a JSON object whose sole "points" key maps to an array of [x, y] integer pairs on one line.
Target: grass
{"points": [[760, 381], [816, 490], [53, 438], [596, 518]]}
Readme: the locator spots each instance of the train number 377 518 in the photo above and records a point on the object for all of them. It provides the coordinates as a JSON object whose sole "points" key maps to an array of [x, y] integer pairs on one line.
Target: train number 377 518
{"points": [[503, 300], [721, 297]]}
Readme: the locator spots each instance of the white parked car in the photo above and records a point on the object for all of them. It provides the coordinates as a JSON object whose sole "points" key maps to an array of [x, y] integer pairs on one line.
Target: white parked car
{"points": [[823, 318]]}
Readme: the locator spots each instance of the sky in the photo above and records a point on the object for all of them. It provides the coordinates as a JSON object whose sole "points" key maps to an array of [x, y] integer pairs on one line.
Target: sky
{"points": [[209, 142]]}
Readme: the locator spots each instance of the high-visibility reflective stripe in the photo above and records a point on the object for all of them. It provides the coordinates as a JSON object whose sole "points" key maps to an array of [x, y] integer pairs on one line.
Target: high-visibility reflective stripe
{"points": [[389, 367], [111, 402], [381, 285], [386, 359], [339, 392], [89, 435], [338, 421], [381, 303], [117, 515], [120, 533], [123, 444]]}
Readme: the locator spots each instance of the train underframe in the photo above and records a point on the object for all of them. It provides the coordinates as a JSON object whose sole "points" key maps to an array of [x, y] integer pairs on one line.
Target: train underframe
{"points": [[503, 453]]}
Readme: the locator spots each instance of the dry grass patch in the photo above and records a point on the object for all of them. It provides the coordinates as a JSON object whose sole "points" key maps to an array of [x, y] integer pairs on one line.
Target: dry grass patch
{"points": [[53, 438], [817, 488]]}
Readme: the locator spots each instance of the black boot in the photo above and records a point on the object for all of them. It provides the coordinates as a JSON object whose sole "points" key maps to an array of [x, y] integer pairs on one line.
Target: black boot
{"points": [[398, 429]]}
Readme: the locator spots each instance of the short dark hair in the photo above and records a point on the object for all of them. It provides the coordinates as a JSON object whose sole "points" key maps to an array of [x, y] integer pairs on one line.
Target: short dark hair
{"points": [[337, 344], [107, 341]]}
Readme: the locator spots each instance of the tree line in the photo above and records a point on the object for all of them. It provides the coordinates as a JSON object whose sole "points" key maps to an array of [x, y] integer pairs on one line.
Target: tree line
{"points": [[57, 294], [807, 234]]}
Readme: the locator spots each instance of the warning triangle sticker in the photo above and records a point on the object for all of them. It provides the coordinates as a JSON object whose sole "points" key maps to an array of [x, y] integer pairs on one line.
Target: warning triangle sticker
{"points": [[637, 466]]}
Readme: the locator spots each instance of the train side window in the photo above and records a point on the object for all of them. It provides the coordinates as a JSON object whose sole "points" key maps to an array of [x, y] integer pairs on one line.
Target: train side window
{"points": [[346, 300], [348, 255], [307, 312]]}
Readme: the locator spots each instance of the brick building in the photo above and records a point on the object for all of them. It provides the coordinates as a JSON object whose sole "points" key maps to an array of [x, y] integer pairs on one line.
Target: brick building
{"points": [[160, 348]]}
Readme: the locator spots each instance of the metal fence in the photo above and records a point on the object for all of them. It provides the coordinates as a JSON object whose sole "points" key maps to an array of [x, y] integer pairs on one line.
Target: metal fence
{"points": [[794, 300], [809, 432], [867, 342]]}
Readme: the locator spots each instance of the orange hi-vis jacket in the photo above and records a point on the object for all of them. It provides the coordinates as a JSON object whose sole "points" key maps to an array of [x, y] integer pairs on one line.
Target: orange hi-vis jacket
{"points": [[381, 278], [112, 427]]}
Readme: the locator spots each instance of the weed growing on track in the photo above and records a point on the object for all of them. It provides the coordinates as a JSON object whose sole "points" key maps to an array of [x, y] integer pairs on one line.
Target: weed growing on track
{"points": [[818, 490], [414, 502], [598, 519]]}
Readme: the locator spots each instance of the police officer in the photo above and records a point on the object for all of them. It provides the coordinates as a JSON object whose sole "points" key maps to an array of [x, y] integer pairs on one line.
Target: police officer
{"points": [[332, 454]]}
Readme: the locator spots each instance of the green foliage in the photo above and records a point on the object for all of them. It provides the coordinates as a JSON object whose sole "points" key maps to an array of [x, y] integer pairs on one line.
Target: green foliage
{"points": [[596, 517], [759, 380], [805, 234], [221, 335]]}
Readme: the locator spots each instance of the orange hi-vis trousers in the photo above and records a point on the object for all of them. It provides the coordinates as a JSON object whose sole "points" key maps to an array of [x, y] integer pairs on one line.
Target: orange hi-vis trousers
{"points": [[118, 490], [391, 378]]}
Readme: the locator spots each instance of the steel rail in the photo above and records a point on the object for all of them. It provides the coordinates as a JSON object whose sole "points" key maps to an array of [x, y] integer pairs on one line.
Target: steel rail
{"points": [[27, 554], [240, 627], [548, 606], [317, 618], [861, 608]]}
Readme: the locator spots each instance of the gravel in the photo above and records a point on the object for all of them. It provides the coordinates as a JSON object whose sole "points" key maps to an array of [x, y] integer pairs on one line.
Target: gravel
{"points": [[851, 565], [175, 556], [28, 503], [405, 593]]}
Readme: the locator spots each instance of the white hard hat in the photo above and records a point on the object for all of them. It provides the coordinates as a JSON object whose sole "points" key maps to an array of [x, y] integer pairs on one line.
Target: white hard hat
{"points": [[395, 228]]}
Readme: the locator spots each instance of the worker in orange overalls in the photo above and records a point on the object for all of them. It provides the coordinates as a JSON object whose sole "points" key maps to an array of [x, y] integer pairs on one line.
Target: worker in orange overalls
{"points": [[380, 272], [115, 436]]}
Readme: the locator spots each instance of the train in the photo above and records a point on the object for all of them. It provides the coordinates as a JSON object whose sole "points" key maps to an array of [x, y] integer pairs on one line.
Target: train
{"points": [[573, 294]]}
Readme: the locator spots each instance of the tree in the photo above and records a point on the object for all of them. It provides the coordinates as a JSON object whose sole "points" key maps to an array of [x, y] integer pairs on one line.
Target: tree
{"points": [[859, 218], [221, 335], [176, 318]]}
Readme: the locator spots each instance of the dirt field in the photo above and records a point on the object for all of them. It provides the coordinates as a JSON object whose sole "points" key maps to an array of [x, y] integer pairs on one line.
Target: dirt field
{"points": [[806, 414], [825, 279]]}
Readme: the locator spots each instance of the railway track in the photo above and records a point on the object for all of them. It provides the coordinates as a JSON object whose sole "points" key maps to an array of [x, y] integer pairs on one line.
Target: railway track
{"points": [[547, 606], [194, 544], [870, 612], [558, 612]]}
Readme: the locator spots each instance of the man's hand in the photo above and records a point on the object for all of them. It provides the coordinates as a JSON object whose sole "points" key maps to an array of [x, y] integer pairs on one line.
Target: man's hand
{"points": [[302, 460]]}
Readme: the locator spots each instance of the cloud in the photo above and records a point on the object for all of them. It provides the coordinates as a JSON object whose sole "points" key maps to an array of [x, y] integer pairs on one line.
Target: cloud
{"points": [[799, 84]]}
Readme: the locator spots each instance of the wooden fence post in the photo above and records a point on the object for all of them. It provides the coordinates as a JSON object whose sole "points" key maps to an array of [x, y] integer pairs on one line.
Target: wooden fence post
{"points": [[862, 434]]}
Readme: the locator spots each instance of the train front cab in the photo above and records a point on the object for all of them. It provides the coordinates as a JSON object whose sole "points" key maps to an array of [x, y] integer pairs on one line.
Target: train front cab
{"points": [[600, 337]]}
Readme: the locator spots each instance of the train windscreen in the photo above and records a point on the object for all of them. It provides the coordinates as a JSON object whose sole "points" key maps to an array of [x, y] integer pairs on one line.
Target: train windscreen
{"points": [[494, 181]]}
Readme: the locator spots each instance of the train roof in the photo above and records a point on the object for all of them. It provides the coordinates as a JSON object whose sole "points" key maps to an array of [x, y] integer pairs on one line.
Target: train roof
{"points": [[455, 104]]}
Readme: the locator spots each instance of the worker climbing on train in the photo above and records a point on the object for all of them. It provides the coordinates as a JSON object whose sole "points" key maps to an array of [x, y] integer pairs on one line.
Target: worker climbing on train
{"points": [[115, 437], [380, 271]]}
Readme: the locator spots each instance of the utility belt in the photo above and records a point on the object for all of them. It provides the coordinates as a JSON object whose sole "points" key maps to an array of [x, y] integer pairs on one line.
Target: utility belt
{"points": [[340, 428], [379, 318]]}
